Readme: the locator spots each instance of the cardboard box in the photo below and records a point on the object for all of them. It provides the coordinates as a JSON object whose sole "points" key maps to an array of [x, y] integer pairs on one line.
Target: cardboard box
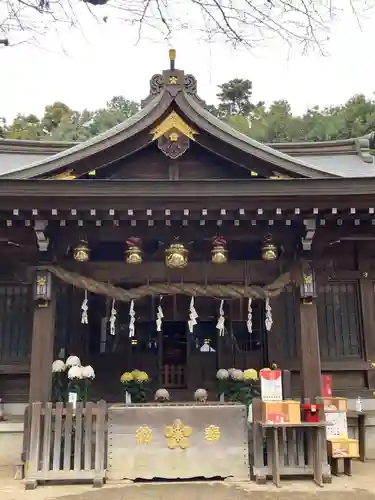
{"points": [[334, 404], [343, 448], [287, 412]]}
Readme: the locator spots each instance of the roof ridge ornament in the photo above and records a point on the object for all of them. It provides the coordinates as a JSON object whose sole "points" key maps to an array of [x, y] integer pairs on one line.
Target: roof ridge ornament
{"points": [[173, 81], [172, 59]]}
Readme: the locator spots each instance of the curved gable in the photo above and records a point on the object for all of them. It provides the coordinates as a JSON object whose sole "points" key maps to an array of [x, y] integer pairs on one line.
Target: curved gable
{"points": [[170, 92]]}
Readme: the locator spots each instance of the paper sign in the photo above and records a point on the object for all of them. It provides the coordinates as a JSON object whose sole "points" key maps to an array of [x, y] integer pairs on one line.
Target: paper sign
{"points": [[271, 385], [337, 425], [73, 399]]}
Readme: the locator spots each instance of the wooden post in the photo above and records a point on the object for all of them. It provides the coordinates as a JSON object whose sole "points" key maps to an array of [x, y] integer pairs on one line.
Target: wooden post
{"points": [[309, 351], [43, 338], [367, 303]]}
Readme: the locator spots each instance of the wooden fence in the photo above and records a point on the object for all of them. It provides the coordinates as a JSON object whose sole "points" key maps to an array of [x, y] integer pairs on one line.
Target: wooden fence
{"points": [[65, 444]]}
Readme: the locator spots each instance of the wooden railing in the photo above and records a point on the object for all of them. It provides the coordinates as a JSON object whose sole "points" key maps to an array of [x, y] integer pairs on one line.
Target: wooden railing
{"points": [[174, 375], [66, 444]]}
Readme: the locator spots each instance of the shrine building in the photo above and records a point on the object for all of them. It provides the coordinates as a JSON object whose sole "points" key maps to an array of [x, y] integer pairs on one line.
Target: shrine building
{"points": [[171, 205]]}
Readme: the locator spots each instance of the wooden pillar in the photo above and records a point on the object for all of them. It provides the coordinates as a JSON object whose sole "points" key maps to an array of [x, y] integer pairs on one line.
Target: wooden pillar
{"points": [[368, 322], [43, 337], [309, 352]]}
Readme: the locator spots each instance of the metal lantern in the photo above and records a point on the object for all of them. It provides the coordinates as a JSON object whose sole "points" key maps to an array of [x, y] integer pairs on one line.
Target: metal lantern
{"points": [[81, 252], [134, 252], [219, 252], [269, 250], [308, 285], [43, 288], [176, 256]]}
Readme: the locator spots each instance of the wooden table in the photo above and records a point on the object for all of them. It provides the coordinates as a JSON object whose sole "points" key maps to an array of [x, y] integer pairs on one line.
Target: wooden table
{"points": [[318, 448], [361, 418]]}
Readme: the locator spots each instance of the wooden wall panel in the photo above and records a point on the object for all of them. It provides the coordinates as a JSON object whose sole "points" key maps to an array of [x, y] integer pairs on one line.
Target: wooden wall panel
{"points": [[349, 384], [16, 309], [14, 388]]}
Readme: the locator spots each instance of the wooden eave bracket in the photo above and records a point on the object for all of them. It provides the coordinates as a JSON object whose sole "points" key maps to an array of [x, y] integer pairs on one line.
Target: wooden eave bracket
{"points": [[42, 241], [307, 239]]}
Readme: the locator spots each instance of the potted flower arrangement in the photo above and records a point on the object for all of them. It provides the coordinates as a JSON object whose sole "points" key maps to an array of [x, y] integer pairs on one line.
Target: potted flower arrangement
{"points": [[237, 385], [70, 377], [136, 386]]}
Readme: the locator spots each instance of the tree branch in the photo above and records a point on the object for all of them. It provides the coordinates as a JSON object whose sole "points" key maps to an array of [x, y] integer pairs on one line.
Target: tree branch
{"points": [[246, 23]]}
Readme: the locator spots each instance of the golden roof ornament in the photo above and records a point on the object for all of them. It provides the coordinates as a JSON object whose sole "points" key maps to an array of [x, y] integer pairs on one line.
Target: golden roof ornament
{"points": [[68, 175], [173, 123], [173, 135], [172, 59]]}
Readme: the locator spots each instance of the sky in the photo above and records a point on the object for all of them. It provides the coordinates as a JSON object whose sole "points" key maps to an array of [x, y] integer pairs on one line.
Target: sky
{"points": [[85, 68]]}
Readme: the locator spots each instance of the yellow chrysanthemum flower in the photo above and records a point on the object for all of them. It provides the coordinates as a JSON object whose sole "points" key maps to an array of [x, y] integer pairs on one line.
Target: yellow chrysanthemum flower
{"points": [[250, 374], [126, 377], [135, 374], [141, 377]]}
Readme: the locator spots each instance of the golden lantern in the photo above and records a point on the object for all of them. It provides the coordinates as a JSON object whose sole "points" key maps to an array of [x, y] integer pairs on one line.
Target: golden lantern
{"points": [[81, 252], [269, 250], [134, 252], [219, 252], [176, 256]]}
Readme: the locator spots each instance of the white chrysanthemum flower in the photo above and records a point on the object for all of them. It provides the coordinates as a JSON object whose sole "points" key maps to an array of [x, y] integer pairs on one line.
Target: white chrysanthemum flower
{"points": [[73, 361], [162, 395], [200, 395], [88, 372], [231, 370], [222, 374], [58, 366], [237, 375], [75, 372]]}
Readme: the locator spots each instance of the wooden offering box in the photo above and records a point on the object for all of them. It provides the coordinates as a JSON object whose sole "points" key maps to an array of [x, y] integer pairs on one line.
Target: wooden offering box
{"points": [[287, 412], [334, 404], [343, 448]]}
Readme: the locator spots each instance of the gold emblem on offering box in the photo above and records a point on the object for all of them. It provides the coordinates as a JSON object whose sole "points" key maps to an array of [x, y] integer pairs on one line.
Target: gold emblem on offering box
{"points": [[177, 435], [212, 433], [143, 435]]}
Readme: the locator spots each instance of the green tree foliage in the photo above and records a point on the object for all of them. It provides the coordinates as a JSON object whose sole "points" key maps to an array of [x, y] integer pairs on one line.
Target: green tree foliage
{"points": [[25, 127], [273, 123], [235, 98], [54, 115]]}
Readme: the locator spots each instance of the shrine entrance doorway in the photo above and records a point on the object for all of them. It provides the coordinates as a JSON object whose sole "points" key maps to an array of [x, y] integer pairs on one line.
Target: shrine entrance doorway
{"points": [[174, 354]]}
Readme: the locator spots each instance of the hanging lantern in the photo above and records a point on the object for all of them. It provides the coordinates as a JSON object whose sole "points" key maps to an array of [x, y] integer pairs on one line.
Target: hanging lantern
{"points": [[134, 252], [176, 256], [81, 252], [308, 285], [43, 288], [219, 252], [269, 250]]}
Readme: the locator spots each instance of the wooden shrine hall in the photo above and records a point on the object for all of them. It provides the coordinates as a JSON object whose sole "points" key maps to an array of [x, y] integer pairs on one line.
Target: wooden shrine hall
{"points": [[174, 205]]}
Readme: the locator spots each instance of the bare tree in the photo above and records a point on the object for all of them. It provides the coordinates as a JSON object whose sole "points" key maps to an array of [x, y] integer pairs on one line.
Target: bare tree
{"points": [[246, 23]]}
